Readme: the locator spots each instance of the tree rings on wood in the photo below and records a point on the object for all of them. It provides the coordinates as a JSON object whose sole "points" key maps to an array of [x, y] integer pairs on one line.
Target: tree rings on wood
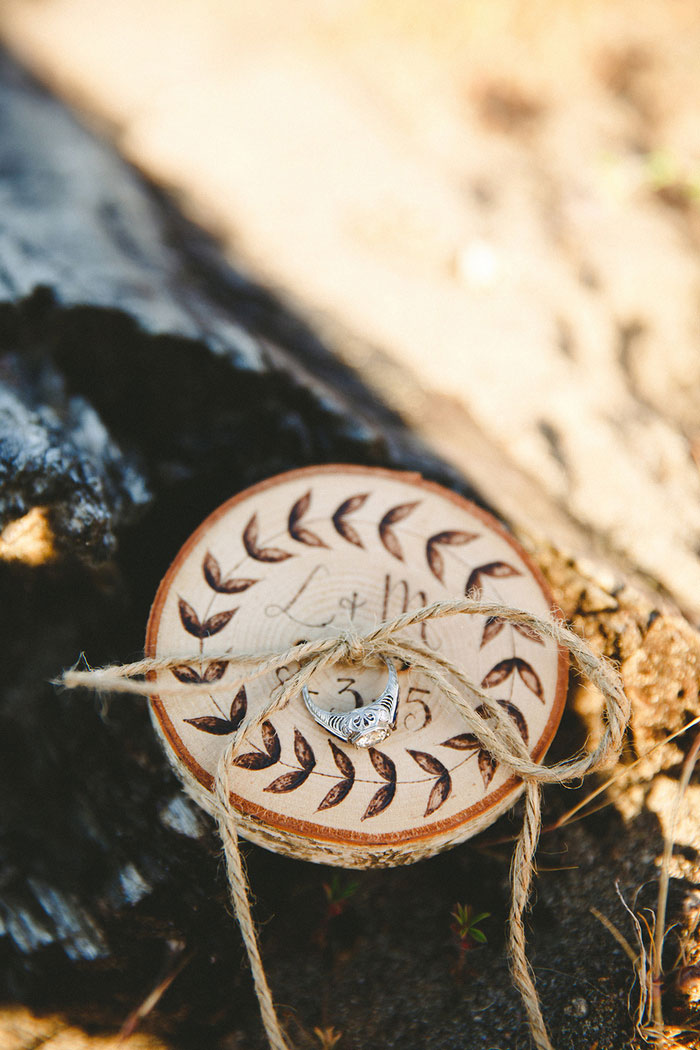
{"points": [[332, 548]]}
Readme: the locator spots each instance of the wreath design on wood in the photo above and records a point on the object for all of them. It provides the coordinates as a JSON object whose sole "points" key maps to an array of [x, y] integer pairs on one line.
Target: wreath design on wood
{"points": [[269, 754]]}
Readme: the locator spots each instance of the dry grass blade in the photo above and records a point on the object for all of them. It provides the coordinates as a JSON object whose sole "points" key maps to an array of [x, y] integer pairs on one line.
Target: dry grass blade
{"points": [[687, 772], [176, 963], [619, 937], [650, 931]]}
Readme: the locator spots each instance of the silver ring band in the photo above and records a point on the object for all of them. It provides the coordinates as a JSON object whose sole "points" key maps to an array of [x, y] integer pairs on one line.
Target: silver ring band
{"points": [[366, 726]]}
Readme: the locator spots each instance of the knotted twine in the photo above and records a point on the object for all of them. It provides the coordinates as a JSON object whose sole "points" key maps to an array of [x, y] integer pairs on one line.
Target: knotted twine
{"points": [[502, 740]]}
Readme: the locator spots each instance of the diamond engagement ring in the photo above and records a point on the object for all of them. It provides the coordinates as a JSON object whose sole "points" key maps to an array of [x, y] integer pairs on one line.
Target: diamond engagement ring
{"points": [[365, 726]]}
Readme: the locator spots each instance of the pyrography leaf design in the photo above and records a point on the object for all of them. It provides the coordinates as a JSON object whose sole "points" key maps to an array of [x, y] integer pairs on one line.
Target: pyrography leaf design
{"points": [[239, 706], [530, 678], [517, 716], [250, 542], [383, 765], [495, 624], [212, 574], [293, 780], [340, 790], [513, 710], [211, 724], [505, 668], [253, 760], [217, 622], [342, 761], [303, 751], [296, 531], [336, 794], [288, 781], [343, 527], [386, 531], [496, 569], [379, 801], [190, 620], [183, 673], [428, 762], [387, 771], [215, 671], [529, 633], [440, 793], [462, 742], [499, 673], [193, 625], [258, 760], [469, 742], [452, 538], [211, 570], [271, 741], [487, 766], [223, 726], [443, 785]]}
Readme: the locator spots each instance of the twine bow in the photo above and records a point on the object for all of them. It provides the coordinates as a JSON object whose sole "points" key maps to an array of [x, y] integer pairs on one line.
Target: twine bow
{"points": [[496, 734]]}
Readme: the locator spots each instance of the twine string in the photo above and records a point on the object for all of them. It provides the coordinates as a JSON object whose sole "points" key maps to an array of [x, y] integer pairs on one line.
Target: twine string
{"points": [[496, 733]]}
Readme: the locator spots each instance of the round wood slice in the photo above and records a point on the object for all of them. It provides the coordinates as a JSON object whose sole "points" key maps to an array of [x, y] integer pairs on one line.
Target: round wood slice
{"points": [[328, 548]]}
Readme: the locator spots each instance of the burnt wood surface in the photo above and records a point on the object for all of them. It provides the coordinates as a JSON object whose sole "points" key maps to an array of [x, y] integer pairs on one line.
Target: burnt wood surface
{"points": [[144, 381]]}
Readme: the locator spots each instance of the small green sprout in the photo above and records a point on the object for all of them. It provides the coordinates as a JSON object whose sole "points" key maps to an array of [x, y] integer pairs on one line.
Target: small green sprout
{"points": [[465, 926], [338, 892]]}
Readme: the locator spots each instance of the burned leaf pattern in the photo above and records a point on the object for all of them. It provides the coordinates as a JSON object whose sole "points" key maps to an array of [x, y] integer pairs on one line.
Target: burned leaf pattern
{"points": [[258, 760], [385, 795], [442, 787], [212, 574], [193, 625], [529, 633], [511, 709], [271, 741], [386, 530], [505, 668], [294, 527], [379, 801], [183, 673], [451, 538], [215, 671], [342, 526], [383, 764], [342, 761], [211, 724], [495, 569], [306, 759], [487, 766], [342, 789], [495, 624], [302, 750], [288, 781], [266, 554], [462, 742], [336, 794], [222, 726], [517, 716], [470, 742]]}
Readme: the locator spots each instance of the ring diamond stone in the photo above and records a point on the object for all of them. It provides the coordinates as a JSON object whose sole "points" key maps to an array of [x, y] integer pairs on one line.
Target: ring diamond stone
{"points": [[366, 726]]}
